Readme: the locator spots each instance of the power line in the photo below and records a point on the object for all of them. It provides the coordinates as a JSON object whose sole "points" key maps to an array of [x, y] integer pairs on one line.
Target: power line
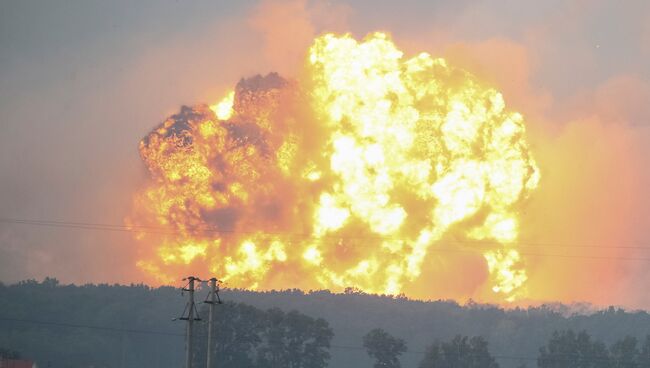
{"points": [[92, 327], [212, 230], [332, 238], [332, 346], [158, 230], [422, 352]]}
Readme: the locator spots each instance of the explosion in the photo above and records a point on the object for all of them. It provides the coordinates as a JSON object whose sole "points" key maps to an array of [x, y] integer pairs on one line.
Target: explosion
{"points": [[362, 173]]}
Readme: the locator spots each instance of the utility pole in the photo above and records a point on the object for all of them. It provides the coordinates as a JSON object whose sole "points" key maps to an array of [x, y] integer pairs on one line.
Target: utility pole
{"points": [[190, 308], [213, 299]]}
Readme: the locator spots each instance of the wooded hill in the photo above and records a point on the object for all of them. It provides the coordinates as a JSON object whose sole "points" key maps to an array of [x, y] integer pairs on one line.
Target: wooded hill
{"points": [[131, 326]]}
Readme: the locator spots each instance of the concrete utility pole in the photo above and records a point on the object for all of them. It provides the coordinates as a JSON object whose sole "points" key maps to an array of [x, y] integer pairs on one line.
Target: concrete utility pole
{"points": [[212, 300], [191, 307]]}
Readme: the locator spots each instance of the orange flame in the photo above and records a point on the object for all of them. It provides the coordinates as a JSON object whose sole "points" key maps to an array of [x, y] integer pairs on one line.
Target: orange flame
{"points": [[353, 176]]}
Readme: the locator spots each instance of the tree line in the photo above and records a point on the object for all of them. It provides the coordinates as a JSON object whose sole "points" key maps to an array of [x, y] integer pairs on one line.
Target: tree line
{"points": [[565, 349], [104, 326]]}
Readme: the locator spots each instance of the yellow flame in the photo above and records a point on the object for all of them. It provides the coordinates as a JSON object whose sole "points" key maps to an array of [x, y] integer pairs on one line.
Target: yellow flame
{"points": [[223, 109], [502, 265], [393, 155]]}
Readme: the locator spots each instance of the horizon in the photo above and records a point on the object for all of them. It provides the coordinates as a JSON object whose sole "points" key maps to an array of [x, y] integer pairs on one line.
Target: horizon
{"points": [[566, 309]]}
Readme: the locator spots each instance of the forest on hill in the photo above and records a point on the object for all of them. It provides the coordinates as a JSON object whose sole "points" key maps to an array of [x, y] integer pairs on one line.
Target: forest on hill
{"points": [[132, 326]]}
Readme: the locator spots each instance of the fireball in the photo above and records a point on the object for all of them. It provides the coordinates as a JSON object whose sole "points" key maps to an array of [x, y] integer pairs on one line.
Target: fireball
{"points": [[361, 173]]}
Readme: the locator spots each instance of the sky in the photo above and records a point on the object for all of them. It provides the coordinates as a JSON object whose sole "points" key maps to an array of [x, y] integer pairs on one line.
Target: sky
{"points": [[81, 82]]}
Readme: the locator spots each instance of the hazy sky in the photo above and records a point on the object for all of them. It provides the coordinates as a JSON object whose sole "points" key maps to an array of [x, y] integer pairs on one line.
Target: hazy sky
{"points": [[81, 82]]}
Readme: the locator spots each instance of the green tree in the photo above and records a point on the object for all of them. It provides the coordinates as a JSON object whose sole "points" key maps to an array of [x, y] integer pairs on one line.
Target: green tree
{"points": [[249, 337], [460, 352], [384, 348], [644, 354], [274, 352], [308, 340], [237, 330], [294, 340], [570, 350], [624, 353]]}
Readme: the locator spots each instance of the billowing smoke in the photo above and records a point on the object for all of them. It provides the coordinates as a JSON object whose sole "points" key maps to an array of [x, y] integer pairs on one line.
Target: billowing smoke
{"points": [[373, 170]]}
